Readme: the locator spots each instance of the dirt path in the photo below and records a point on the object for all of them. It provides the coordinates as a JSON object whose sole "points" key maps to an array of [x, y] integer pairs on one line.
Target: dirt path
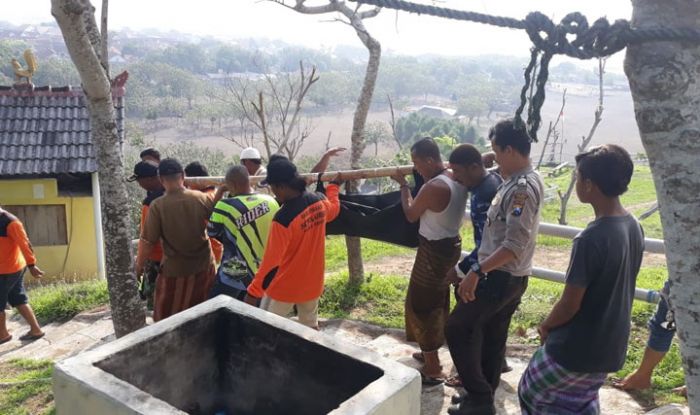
{"points": [[545, 257]]}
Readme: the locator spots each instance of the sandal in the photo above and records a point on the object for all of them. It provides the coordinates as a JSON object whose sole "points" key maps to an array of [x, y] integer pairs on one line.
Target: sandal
{"points": [[418, 356], [454, 382], [31, 337], [429, 380], [5, 340]]}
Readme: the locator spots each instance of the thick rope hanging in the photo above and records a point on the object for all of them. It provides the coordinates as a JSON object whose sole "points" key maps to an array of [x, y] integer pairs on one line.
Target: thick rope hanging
{"points": [[597, 41]]}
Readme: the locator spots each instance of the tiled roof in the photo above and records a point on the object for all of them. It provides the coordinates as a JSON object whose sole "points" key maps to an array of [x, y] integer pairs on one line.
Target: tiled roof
{"points": [[47, 130]]}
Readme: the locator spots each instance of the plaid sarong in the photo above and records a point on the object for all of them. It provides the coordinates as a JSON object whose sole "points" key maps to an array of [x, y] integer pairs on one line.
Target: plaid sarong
{"points": [[547, 388]]}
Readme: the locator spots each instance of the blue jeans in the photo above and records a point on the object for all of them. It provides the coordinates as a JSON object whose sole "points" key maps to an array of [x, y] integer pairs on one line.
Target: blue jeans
{"points": [[661, 324]]}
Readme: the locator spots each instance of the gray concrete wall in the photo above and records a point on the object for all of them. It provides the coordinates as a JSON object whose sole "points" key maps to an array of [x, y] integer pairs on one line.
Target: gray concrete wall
{"points": [[175, 358]]}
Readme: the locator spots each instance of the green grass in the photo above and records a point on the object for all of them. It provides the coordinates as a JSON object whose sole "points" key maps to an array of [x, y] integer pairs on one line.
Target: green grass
{"points": [[336, 252], [637, 199], [378, 300], [62, 301], [26, 387]]}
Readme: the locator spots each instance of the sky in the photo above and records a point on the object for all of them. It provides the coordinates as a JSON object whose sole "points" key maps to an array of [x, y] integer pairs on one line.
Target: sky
{"points": [[399, 32]]}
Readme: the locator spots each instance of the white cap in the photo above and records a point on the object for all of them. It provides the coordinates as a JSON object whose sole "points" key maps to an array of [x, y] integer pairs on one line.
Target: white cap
{"points": [[250, 153]]}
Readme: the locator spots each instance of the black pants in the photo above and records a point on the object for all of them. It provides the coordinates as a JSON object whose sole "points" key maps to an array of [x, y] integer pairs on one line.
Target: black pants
{"points": [[477, 332]]}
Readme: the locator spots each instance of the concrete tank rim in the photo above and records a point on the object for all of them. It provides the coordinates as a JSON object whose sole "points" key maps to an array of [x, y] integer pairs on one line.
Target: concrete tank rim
{"points": [[396, 376]]}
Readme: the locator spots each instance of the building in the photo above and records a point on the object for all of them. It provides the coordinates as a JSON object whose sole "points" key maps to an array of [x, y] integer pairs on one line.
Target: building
{"points": [[436, 112], [48, 175]]}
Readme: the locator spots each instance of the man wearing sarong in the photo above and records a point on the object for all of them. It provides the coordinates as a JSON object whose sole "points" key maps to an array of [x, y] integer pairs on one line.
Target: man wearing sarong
{"points": [[585, 336], [439, 205], [477, 329], [178, 219]]}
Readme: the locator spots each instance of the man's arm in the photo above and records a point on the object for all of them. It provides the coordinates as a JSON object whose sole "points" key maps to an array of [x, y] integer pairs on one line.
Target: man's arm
{"points": [[432, 196], [331, 201], [16, 232], [144, 251], [322, 164], [150, 235], [564, 310]]}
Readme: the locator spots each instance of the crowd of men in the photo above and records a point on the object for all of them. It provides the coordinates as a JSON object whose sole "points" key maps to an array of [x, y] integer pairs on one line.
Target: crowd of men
{"points": [[268, 240]]}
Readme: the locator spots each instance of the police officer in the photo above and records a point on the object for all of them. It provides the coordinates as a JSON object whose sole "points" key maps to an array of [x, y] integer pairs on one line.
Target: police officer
{"points": [[491, 290]]}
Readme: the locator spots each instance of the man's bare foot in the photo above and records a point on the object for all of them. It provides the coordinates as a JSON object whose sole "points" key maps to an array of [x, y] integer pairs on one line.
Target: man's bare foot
{"points": [[633, 382]]}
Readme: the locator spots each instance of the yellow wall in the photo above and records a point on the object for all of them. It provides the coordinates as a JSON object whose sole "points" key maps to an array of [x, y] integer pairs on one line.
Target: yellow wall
{"points": [[80, 255]]}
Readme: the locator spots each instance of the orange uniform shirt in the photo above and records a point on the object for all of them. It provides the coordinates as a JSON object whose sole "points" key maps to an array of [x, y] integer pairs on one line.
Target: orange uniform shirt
{"points": [[293, 266], [15, 249], [217, 248], [157, 252]]}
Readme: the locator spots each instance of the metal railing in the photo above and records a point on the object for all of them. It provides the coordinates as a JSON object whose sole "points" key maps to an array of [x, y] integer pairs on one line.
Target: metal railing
{"points": [[569, 232]]}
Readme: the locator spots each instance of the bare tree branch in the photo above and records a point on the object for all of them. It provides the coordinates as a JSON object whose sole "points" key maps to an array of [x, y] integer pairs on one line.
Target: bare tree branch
{"points": [[585, 141]]}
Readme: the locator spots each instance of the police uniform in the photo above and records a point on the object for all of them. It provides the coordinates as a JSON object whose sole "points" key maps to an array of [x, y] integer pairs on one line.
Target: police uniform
{"points": [[477, 331]]}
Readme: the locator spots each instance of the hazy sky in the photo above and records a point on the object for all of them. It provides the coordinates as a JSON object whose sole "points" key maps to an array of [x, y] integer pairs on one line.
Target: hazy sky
{"points": [[404, 33]]}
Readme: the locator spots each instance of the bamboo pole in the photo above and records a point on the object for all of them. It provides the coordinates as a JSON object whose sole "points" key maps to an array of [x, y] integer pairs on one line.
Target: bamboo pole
{"points": [[312, 177]]}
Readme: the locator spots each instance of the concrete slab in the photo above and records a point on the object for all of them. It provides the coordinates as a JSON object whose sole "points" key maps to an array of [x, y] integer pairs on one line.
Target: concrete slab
{"points": [[125, 376]]}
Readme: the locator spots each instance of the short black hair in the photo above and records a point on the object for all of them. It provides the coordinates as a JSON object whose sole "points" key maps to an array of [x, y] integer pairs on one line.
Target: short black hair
{"points": [[466, 155], [170, 167], [609, 166], [196, 169], [276, 157], [150, 152], [506, 133], [237, 174], [426, 147]]}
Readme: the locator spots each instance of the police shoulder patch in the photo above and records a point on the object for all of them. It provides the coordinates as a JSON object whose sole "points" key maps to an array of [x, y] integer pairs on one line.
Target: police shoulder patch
{"points": [[519, 199]]}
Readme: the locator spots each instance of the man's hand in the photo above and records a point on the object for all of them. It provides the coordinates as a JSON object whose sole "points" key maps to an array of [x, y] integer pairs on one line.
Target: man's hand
{"points": [[467, 287], [488, 159], [332, 152], [138, 269], [250, 300], [543, 332], [338, 178], [400, 179], [36, 272], [452, 277]]}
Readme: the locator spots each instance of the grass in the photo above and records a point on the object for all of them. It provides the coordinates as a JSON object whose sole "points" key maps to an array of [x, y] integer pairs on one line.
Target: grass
{"points": [[380, 301], [26, 387], [62, 301], [336, 253], [639, 197]]}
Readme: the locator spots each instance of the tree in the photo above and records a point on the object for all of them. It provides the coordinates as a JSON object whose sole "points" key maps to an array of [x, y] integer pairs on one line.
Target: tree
{"points": [[376, 133], [355, 19], [76, 19], [274, 107], [663, 80], [585, 141]]}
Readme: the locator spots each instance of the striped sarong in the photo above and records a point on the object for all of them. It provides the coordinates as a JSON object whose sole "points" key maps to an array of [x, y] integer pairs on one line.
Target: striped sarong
{"points": [[175, 294], [428, 295], [547, 388]]}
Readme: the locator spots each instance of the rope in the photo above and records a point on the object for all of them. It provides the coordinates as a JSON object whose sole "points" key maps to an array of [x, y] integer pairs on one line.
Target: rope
{"points": [[599, 40]]}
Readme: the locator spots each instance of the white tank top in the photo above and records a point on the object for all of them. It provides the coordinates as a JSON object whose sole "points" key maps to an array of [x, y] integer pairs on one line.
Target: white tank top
{"points": [[445, 224]]}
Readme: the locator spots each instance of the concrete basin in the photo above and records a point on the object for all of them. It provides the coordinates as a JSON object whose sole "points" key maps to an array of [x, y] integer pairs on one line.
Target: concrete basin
{"points": [[224, 357]]}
